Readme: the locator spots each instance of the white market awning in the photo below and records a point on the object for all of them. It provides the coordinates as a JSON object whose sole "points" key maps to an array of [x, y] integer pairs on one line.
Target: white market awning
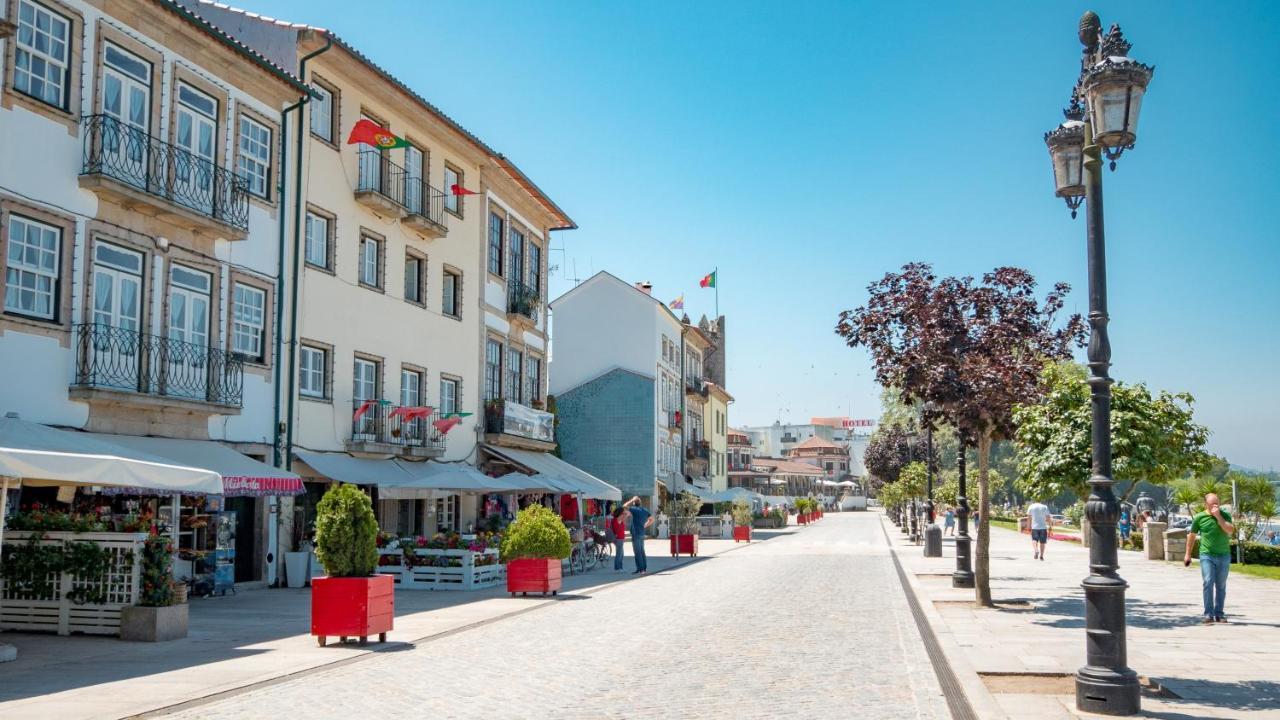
{"points": [[358, 471], [573, 479], [242, 476], [41, 455], [456, 477]]}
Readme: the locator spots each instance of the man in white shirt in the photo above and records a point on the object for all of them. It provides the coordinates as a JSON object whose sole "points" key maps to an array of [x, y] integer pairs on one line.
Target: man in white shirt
{"points": [[1040, 522]]}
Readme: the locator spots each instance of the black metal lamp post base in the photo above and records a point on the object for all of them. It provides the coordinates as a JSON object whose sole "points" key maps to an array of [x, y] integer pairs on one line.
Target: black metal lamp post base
{"points": [[963, 575], [1107, 692]]}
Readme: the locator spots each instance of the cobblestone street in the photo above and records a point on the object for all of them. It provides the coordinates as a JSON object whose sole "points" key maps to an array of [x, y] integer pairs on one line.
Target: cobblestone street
{"points": [[811, 624]]}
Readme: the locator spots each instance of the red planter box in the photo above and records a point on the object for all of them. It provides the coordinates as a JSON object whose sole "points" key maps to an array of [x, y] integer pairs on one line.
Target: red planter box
{"points": [[803, 518], [352, 607], [538, 575], [684, 545], [742, 533]]}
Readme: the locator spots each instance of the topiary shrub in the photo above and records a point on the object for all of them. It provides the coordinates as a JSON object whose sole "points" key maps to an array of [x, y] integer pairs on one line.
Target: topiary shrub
{"points": [[538, 534], [346, 532], [741, 510]]}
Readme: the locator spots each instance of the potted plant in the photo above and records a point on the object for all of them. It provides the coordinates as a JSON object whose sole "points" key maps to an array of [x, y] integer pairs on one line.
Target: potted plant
{"points": [[533, 547], [741, 511], [157, 616], [350, 601], [802, 511], [684, 523]]}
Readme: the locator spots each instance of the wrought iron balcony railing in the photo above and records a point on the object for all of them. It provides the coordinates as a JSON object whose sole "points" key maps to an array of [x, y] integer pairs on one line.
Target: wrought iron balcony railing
{"points": [[522, 299], [125, 153], [506, 417], [378, 174], [120, 359], [698, 450], [387, 424], [694, 383]]}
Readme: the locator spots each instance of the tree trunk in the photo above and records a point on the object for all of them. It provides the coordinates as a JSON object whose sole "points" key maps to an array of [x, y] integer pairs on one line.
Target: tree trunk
{"points": [[982, 558]]}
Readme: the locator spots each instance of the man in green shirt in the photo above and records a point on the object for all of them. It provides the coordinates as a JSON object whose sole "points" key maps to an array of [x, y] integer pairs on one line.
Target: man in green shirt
{"points": [[1213, 526]]}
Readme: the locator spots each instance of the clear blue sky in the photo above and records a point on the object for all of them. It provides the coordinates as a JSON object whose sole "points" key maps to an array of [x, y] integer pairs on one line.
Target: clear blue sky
{"points": [[807, 148]]}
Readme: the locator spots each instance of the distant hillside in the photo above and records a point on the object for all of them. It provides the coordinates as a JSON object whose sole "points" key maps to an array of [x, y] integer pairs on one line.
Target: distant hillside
{"points": [[1272, 475]]}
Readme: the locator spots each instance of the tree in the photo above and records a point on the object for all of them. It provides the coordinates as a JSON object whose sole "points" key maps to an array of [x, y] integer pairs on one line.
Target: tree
{"points": [[1153, 437], [972, 349], [889, 450]]}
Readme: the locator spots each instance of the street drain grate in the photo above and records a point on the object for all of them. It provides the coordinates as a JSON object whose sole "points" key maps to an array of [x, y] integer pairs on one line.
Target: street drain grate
{"points": [[1047, 683]]}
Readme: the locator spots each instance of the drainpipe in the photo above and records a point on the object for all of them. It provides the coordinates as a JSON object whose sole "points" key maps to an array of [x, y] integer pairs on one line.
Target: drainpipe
{"points": [[297, 239], [279, 354]]}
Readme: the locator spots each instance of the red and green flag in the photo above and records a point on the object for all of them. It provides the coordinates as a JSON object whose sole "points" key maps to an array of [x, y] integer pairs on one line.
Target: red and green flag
{"points": [[370, 133], [709, 280]]}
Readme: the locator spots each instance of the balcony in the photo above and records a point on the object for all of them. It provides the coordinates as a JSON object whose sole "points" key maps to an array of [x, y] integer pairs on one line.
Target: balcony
{"points": [[426, 209], [694, 386], [522, 302], [510, 424], [698, 450], [131, 367], [146, 175], [382, 428]]}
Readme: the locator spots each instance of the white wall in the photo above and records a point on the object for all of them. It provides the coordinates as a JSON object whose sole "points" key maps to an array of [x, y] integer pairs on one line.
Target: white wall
{"points": [[600, 325]]}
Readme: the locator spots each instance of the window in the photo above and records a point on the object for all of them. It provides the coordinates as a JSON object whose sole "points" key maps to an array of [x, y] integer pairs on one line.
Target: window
{"points": [[414, 274], [317, 251], [493, 370], [448, 396], [517, 256], [533, 374], [254, 164], [451, 304], [535, 267], [513, 375], [452, 201], [413, 179], [410, 387], [117, 286], [364, 380], [31, 275], [496, 230], [322, 113], [370, 254], [42, 58], [248, 326], [313, 369]]}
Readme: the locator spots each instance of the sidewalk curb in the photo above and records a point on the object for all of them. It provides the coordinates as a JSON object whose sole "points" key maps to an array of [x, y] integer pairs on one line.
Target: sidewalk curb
{"points": [[980, 699]]}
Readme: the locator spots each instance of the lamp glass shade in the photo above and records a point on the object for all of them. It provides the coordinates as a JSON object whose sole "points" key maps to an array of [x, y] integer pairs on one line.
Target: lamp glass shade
{"points": [[1114, 92], [1066, 151]]}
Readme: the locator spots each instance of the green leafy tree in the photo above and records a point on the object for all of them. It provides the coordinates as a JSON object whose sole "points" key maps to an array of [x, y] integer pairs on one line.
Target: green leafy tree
{"points": [[537, 533], [1256, 498], [1153, 437], [346, 532]]}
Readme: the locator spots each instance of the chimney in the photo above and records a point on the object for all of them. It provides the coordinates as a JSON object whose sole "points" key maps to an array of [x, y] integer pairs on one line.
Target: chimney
{"points": [[645, 287]]}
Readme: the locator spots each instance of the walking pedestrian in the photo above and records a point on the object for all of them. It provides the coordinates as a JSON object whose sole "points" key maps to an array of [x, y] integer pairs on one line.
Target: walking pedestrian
{"points": [[949, 522], [641, 519], [1124, 524], [1214, 529], [618, 524], [1040, 522]]}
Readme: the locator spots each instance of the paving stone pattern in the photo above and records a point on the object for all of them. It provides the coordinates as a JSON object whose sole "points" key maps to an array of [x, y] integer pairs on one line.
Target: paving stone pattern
{"points": [[812, 624]]}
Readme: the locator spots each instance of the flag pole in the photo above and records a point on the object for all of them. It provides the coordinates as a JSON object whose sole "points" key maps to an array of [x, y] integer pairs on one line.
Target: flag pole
{"points": [[717, 277]]}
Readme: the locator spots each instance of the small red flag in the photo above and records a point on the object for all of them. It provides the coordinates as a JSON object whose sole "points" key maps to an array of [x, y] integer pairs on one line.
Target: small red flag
{"points": [[457, 189], [364, 408], [447, 424]]}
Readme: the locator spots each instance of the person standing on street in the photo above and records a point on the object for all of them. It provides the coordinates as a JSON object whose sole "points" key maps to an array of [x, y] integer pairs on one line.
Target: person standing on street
{"points": [[1040, 521], [949, 521], [1213, 526], [618, 524], [641, 519], [1124, 524]]}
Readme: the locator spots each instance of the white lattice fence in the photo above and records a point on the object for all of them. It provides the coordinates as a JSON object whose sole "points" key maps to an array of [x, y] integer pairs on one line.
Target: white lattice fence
{"points": [[57, 603], [467, 576]]}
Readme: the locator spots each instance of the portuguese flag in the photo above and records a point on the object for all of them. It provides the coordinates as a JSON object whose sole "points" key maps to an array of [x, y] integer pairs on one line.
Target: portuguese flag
{"points": [[708, 281], [370, 133]]}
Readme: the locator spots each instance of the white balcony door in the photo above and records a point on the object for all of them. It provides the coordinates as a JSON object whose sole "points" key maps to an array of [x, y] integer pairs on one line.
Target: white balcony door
{"points": [[117, 312], [411, 396], [188, 349], [197, 135], [413, 179], [370, 168], [365, 387], [126, 101]]}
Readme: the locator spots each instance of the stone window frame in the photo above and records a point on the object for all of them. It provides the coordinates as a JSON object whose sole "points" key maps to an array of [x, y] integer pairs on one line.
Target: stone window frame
{"points": [[239, 277], [499, 212], [366, 233], [421, 257], [181, 74], [181, 256], [59, 327], [70, 115], [101, 232], [423, 378], [327, 349], [462, 199], [331, 242], [502, 364], [457, 398], [531, 356], [335, 112], [106, 32], [272, 198], [380, 377]]}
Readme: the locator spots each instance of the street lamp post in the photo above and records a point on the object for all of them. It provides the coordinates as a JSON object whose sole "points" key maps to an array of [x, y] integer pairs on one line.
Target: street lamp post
{"points": [[963, 576], [932, 533], [1102, 118]]}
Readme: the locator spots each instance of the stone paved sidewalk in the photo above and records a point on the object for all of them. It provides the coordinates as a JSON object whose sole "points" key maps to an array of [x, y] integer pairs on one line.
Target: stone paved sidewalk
{"points": [[253, 637], [1216, 671]]}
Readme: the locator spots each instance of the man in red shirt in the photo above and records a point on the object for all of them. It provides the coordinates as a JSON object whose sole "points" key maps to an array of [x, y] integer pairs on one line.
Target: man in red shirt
{"points": [[618, 524]]}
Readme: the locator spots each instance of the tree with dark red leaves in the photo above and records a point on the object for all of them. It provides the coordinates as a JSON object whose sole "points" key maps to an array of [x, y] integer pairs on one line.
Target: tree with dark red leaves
{"points": [[973, 349], [889, 450]]}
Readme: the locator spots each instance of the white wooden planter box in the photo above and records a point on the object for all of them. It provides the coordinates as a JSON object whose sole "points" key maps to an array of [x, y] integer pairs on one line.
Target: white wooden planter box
{"points": [[429, 577], [56, 613]]}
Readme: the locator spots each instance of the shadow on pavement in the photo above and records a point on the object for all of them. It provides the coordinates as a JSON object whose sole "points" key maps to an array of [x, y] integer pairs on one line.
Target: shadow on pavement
{"points": [[1069, 612], [1245, 695]]}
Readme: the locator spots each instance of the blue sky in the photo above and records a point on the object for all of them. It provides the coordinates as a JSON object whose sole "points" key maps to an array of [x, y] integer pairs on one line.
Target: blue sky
{"points": [[807, 148]]}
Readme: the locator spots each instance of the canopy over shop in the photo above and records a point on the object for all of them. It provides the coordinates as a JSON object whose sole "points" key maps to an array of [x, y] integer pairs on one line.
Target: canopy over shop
{"points": [[579, 491]]}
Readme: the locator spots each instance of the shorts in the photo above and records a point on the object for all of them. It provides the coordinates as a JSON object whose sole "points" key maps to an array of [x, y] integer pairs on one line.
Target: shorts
{"points": [[1040, 536]]}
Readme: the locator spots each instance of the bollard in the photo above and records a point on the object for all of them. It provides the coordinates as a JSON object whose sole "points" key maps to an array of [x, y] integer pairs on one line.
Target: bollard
{"points": [[933, 541]]}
